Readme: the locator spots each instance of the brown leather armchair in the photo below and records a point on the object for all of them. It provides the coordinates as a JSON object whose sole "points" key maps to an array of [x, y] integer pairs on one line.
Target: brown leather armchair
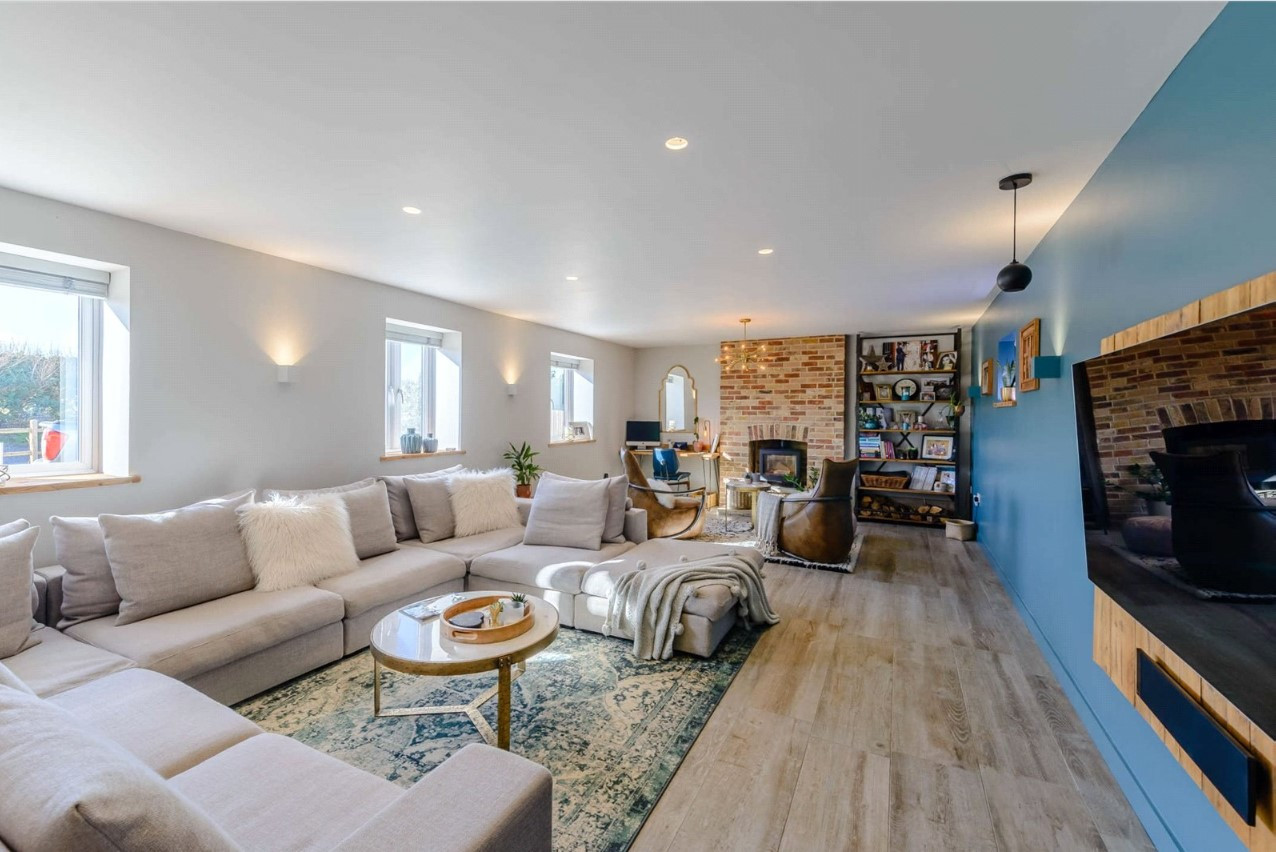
{"points": [[684, 520], [821, 527]]}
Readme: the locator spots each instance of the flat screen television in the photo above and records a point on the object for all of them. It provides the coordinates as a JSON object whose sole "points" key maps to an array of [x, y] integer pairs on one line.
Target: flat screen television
{"points": [[642, 432]]}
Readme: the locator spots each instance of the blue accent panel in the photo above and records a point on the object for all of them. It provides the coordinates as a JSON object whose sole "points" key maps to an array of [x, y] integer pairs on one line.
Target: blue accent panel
{"points": [[1184, 206], [1231, 768]]}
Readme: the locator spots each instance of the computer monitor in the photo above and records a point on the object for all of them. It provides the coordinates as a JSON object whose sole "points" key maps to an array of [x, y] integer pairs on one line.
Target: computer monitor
{"points": [[642, 433]]}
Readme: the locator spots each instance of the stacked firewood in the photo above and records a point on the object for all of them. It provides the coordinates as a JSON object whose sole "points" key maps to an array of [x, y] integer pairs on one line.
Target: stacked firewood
{"points": [[785, 431], [877, 506]]}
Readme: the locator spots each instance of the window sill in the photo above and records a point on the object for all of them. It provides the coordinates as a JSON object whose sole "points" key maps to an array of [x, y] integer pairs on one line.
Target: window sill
{"points": [[399, 456], [35, 484], [569, 443]]}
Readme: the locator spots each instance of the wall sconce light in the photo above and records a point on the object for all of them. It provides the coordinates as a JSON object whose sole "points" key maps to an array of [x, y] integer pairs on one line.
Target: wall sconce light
{"points": [[283, 374], [1047, 367], [511, 389]]}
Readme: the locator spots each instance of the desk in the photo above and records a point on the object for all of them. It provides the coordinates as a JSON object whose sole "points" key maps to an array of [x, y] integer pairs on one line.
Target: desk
{"points": [[708, 466]]}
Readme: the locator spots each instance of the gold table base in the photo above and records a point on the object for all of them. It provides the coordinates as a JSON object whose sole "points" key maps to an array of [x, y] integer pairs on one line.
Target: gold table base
{"points": [[504, 679]]}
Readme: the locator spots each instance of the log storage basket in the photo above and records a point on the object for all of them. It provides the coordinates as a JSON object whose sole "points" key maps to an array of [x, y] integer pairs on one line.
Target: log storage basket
{"points": [[886, 480]]}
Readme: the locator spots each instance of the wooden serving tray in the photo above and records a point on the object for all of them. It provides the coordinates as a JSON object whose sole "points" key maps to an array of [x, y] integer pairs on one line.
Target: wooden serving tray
{"points": [[484, 635]]}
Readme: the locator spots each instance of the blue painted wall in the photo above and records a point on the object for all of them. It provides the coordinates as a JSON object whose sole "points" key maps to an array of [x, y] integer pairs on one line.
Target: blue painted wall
{"points": [[1184, 206]]}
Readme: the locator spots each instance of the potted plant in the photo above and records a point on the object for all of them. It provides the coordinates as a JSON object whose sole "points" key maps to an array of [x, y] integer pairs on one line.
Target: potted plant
{"points": [[1008, 376], [526, 471], [514, 609], [954, 410], [1155, 493]]}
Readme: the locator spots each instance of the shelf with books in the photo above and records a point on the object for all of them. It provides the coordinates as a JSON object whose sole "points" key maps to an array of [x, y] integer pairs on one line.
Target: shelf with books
{"points": [[925, 369]]}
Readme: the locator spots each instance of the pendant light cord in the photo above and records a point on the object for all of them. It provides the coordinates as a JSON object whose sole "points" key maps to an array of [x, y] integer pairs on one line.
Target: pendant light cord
{"points": [[1014, 230]]}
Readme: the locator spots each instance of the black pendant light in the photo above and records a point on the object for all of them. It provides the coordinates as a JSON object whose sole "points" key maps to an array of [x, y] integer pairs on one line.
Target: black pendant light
{"points": [[1015, 276]]}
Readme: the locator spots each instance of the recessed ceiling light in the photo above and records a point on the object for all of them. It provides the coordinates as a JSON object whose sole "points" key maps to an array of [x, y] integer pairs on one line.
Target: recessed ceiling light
{"points": [[675, 143], [412, 211], [573, 277], [766, 251]]}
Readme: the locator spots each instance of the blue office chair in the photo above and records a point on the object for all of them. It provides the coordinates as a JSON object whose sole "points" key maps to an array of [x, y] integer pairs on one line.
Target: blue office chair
{"points": [[664, 465]]}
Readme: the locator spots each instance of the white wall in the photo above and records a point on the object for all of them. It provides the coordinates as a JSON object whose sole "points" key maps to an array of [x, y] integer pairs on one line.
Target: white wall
{"points": [[650, 367], [206, 413]]}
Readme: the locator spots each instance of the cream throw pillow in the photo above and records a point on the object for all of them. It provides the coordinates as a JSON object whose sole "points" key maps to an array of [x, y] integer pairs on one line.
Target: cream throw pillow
{"points": [[293, 542], [15, 589], [568, 513], [483, 501]]}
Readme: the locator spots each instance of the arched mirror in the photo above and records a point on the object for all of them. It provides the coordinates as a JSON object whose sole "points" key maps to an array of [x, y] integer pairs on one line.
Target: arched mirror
{"points": [[678, 401]]}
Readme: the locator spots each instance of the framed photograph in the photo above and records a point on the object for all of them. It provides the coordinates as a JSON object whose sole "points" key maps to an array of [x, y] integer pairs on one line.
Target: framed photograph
{"points": [[937, 447], [988, 377], [580, 430], [947, 361], [927, 396], [884, 393], [1029, 348], [947, 481]]}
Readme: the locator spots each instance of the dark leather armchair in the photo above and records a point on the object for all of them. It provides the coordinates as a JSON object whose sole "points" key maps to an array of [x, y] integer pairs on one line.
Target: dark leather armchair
{"points": [[685, 519], [821, 527], [1224, 536]]}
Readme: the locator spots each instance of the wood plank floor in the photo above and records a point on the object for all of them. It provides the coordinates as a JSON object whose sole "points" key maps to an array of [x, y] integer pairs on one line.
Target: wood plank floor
{"points": [[903, 707]]}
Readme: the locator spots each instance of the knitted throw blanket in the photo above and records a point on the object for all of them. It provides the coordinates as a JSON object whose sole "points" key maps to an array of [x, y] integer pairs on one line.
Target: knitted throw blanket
{"points": [[647, 604]]}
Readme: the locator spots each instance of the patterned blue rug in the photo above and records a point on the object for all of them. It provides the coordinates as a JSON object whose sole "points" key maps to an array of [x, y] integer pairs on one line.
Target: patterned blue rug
{"points": [[610, 728]]}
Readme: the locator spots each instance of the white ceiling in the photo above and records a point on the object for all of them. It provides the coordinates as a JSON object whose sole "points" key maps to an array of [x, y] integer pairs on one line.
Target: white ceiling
{"points": [[862, 141]]}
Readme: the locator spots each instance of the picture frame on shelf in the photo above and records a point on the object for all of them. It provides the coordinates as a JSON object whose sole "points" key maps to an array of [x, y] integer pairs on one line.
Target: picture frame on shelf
{"points": [[947, 481], [884, 392], [927, 396], [907, 420], [1029, 348], [988, 377], [580, 430], [937, 447], [947, 361]]}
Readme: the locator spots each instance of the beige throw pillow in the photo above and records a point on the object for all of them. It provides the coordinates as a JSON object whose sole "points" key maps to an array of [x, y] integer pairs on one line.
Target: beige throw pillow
{"points": [[617, 503], [88, 588], [431, 508], [568, 513], [293, 542], [401, 504], [16, 632], [173, 560], [483, 501], [63, 787]]}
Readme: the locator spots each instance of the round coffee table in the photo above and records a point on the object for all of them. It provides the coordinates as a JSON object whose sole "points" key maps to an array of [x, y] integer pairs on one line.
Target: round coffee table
{"points": [[405, 644]]}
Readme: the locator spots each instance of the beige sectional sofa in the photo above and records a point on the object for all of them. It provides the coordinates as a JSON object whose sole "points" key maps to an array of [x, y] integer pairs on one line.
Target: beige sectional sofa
{"points": [[150, 689]]}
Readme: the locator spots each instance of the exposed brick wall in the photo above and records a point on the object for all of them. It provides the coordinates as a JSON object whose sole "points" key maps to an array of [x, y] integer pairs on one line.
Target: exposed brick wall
{"points": [[804, 383], [1224, 370]]}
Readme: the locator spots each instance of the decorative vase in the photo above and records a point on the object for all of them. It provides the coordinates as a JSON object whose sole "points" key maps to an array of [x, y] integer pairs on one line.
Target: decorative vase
{"points": [[512, 612], [430, 444], [410, 441], [1007, 394]]}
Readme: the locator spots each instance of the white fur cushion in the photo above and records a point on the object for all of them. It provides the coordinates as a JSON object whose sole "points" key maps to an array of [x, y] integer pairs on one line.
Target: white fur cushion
{"points": [[483, 501], [662, 499], [293, 542]]}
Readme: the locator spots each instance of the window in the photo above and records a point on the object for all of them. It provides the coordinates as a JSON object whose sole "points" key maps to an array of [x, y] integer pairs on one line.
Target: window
{"points": [[571, 398], [50, 366], [423, 386]]}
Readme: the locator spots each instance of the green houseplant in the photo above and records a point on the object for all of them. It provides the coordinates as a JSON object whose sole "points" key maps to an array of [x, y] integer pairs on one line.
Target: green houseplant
{"points": [[526, 471]]}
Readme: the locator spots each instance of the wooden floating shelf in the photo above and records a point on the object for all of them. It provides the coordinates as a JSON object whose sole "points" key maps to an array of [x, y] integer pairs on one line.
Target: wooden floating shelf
{"points": [[1004, 404], [904, 402], [916, 492], [401, 456], [868, 373], [950, 462], [912, 431]]}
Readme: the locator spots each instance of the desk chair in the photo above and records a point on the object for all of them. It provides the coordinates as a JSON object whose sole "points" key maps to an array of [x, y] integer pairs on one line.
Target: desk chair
{"points": [[664, 466]]}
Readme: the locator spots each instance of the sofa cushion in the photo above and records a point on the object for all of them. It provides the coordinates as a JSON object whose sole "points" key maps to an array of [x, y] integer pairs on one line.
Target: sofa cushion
{"points": [[617, 503], [384, 579], [483, 501], [60, 663], [540, 567], [160, 721], [371, 525], [470, 546], [64, 787], [401, 505], [16, 571], [200, 638], [273, 793], [711, 601], [568, 513], [11, 680], [431, 508], [88, 589], [276, 494], [293, 542], [170, 560]]}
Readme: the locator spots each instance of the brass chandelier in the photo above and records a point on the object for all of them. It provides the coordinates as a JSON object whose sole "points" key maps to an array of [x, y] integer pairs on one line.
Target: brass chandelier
{"points": [[743, 357]]}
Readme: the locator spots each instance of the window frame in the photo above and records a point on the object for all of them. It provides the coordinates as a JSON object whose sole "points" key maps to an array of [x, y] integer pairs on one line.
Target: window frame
{"points": [[394, 391], [573, 368], [88, 418]]}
